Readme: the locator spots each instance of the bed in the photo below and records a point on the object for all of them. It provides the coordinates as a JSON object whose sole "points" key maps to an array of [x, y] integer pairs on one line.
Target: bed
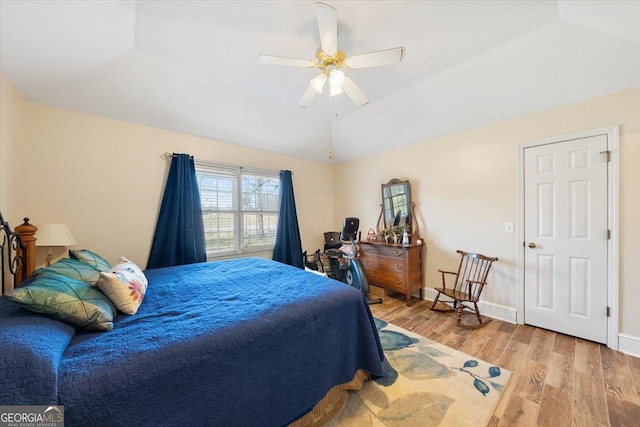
{"points": [[238, 342]]}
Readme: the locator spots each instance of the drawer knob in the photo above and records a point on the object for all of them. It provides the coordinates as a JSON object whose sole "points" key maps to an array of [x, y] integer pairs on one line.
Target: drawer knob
{"points": [[399, 266], [398, 253]]}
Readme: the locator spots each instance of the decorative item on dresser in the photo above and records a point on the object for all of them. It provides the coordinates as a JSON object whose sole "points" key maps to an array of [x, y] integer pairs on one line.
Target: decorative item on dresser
{"points": [[393, 266], [394, 261]]}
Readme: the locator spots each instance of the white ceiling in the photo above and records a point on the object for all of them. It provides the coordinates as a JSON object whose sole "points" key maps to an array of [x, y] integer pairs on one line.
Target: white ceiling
{"points": [[189, 66]]}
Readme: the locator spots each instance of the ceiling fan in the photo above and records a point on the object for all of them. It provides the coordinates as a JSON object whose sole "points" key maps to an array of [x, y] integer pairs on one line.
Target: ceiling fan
{"points": [[332, 61]]}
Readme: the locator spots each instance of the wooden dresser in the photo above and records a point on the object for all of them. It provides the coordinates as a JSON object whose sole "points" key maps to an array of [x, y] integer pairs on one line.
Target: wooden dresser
{"points": [[392, 266]]}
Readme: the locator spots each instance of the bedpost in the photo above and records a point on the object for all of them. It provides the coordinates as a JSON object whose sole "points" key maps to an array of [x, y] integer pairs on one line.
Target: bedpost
{"points": [[27, 235]]}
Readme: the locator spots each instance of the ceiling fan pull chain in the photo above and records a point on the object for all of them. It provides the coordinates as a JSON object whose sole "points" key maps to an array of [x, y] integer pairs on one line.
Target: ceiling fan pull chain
{"points": [[330, 132]]}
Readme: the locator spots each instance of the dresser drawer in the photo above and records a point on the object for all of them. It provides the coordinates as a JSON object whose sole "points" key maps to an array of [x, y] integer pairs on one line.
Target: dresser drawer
{"points": [[383, 263], [384, 251], [387, 279]]}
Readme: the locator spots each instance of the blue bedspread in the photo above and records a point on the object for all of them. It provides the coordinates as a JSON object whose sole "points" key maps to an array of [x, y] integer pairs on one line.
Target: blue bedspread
{"points": [[31, 348], [240, 342]]}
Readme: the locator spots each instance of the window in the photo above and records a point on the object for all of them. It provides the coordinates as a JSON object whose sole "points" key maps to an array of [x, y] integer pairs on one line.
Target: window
{"points": [[239, 208]]}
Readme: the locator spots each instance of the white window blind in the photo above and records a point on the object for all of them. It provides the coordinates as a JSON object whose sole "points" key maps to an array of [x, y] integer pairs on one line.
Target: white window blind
{"points": [[239, 208]]}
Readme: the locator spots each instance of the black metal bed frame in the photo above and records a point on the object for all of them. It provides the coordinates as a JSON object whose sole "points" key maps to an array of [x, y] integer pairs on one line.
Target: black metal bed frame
{"points": [[12, 253]]}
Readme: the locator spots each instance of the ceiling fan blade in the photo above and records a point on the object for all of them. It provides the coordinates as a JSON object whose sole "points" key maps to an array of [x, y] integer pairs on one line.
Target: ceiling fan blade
{"points": [[328, 26], [354, 92], [307, 97], [281, 60], [374, 59]]}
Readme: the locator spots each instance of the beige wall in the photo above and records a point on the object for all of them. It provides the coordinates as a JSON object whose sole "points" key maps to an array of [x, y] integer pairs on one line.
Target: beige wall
{"points": [[13, 153], [465, 189], [105, 178]]}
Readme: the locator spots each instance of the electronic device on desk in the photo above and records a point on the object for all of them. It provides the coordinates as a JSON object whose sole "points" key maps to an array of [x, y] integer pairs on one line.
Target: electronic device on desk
{"points": [[344, 262]]}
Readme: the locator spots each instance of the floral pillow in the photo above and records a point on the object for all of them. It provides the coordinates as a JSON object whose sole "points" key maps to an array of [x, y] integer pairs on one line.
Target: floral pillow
{"points": [[91, 258], [125, 284]]}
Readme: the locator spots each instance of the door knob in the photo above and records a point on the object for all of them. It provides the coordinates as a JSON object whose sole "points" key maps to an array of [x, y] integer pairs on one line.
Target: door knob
{"points": [[532, 245]]}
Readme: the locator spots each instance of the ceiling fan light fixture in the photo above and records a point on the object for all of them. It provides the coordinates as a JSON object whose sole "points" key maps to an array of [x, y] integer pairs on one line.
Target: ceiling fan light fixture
{"points": [[336, 78], [331, 61], [335, 90], [317, 83]]}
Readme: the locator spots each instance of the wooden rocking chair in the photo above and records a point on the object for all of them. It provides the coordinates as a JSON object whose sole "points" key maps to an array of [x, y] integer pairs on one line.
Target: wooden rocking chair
{"points": [[470, 279]]}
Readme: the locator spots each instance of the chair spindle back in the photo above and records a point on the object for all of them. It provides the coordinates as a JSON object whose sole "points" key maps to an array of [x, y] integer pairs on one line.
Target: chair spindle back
{"points": [[472, 273]]}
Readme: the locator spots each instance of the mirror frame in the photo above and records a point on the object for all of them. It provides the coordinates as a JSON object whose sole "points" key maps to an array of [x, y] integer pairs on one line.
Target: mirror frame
{"points": [[411, 220]]}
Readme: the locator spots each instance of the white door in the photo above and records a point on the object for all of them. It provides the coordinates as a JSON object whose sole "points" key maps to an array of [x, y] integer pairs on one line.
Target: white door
{"points": [[565, 230]]}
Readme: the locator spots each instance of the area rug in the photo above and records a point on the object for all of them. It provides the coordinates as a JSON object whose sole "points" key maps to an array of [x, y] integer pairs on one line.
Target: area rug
{"points": [[426, 384]]}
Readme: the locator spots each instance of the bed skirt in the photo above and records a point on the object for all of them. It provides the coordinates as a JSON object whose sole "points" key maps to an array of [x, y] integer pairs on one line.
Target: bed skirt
{"points": [[332, 402]]}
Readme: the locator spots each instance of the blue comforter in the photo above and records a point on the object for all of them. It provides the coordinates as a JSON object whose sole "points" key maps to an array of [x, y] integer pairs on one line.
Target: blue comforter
{"points": [[240, 342]]}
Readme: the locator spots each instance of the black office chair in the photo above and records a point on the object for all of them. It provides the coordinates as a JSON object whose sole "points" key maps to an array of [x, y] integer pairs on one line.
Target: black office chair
{"points": [[332, 240]]}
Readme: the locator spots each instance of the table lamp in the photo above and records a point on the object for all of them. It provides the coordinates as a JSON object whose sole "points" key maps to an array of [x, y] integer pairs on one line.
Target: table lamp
{"points": [[50, 235]]}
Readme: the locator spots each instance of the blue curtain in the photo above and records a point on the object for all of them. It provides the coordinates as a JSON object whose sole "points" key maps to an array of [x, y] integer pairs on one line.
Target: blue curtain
{"points": [[288, 249], [179, 235]]}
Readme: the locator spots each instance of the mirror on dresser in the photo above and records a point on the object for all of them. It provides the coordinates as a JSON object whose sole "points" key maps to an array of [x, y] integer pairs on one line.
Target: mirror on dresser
{"points": [[389, 263], [397, 209]]}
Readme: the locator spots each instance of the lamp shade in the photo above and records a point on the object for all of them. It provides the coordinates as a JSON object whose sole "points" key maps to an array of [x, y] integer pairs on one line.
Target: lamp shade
{"points": [[336, 77], [318, 82], [335, 90], [54, 235]]}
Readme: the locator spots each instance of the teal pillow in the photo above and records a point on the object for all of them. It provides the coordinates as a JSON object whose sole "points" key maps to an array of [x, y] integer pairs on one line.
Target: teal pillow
{"points": [[91, 258], [72, 268], [66, 299]]}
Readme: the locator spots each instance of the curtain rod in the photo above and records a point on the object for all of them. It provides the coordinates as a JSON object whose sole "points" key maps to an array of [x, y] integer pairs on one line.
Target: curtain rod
{"points": [[168, 155]]}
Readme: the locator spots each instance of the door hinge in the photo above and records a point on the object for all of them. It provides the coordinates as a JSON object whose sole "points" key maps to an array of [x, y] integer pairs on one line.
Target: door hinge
{"points": [[608, 234], [608, 311], [608, 154]]}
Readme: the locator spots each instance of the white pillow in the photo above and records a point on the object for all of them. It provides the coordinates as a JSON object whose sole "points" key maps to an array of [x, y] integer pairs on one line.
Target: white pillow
{"points": [[125, 285]]}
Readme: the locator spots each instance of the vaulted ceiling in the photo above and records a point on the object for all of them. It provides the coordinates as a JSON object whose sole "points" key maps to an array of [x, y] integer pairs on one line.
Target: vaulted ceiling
{"points": [[190, 66]]}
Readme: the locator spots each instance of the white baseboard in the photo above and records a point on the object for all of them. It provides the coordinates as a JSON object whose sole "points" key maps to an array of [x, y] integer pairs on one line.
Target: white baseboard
{"points": [[496, 311], [629, 344]]}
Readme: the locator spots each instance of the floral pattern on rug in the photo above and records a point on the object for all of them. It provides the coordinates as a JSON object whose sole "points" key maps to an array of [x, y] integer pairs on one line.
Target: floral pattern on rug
{"points": [[425, 384]]}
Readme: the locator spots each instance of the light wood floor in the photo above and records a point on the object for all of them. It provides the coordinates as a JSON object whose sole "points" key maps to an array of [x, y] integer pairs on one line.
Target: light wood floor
{"points": [[557, 380]]}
